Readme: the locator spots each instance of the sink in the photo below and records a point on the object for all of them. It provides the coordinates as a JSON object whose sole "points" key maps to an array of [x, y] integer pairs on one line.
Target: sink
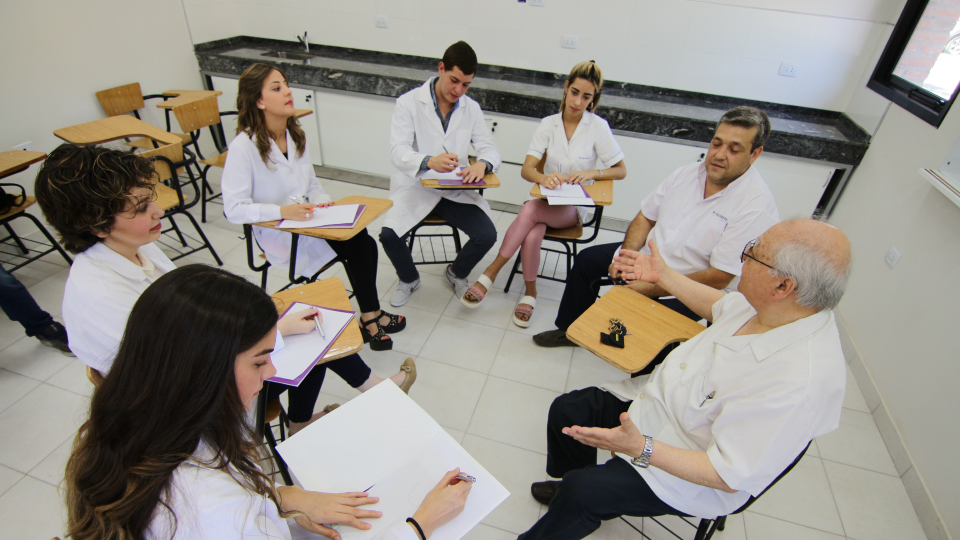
{"points": [[289, 55]]}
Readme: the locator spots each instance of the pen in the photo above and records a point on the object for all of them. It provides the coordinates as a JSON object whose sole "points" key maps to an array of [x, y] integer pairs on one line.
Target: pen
{"points": [[466, 478], [316, 320]]}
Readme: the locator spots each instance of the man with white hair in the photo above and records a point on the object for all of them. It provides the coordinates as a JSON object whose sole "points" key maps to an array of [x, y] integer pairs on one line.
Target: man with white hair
{"points": [[727, 411]]}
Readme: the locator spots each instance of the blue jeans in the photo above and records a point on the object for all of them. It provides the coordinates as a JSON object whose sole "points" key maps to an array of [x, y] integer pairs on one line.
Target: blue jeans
{"points": [[468, 218], [19, 305]]}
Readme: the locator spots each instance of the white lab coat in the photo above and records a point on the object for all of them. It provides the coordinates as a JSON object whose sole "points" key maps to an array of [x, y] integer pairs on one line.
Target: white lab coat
{"points": [[254, 192], [416, 132]]}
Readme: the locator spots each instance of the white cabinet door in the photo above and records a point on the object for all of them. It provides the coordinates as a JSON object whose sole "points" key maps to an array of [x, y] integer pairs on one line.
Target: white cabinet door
{"points": [[796, 185], [355, 131], [302, 99]]}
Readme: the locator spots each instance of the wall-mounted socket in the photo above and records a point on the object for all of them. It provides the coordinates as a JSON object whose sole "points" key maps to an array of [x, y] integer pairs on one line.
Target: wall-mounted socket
{"points": [[570, 42], [892, 257], [381, 22], [28, 146], [788, 69], [538, 3]]}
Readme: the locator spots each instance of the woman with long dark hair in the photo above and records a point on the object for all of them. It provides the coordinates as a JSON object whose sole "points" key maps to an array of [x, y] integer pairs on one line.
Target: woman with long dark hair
{"points": [[167, 452], [268, 168]]}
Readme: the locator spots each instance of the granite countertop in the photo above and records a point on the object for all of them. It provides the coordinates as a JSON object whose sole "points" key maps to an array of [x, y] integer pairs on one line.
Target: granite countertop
{"points": [[674, 114]]}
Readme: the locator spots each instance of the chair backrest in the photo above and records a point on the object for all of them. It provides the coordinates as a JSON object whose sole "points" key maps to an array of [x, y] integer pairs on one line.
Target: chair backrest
{"points": [[198, 114], [775, 480], [94, 377], [172, 152], [121, 100]]}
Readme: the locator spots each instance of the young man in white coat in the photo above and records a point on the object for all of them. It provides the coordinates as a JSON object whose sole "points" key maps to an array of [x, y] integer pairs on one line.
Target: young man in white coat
{"points": [[433, 127]]}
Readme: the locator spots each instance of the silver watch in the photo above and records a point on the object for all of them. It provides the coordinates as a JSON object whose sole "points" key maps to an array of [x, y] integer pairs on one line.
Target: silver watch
{"points": [[643, 461]]}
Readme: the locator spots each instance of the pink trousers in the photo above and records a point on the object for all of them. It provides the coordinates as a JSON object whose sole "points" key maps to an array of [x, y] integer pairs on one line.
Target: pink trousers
{"points": [[527, 230]]}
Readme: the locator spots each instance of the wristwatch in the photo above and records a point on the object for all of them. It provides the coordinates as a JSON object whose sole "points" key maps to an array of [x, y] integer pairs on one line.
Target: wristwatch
{"points": [[643, 460]]}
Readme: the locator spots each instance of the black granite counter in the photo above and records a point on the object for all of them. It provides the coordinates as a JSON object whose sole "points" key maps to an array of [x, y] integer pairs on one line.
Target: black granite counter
{"points": [[797, 131]]}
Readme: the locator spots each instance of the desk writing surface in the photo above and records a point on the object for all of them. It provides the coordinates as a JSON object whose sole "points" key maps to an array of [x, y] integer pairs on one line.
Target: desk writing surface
{"points": [[375, 208], [651, 325], [14, 160], [182, 97], [490, 178], [600, 191], [114, 128], [328, 293]]}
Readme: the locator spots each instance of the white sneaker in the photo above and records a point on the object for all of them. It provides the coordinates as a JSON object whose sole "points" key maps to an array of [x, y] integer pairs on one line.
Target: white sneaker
{"points": [[460, 286], [403, 292]]}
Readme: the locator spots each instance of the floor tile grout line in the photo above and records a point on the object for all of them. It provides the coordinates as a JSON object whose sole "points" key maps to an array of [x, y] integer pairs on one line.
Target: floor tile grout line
{"points": [[747, 536], [833, 495], [504, 443], [860, 468]]}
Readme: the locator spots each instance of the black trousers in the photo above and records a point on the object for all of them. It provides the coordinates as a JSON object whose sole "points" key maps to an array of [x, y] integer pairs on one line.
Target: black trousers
{"points": [[361, 255], [469, 218], [589, 493], [580, 293], [302, 399]]}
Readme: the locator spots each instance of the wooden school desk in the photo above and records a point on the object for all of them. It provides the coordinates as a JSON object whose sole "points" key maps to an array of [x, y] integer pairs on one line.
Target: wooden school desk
{"points": [[114, 128]]}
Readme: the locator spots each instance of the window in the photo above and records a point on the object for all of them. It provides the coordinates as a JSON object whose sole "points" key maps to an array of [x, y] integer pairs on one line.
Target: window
{"points": [[920, 66]]}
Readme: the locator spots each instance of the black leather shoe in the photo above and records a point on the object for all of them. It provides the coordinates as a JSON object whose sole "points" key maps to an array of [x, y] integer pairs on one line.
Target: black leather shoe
{"points": [[553, 338], [544, 492]]}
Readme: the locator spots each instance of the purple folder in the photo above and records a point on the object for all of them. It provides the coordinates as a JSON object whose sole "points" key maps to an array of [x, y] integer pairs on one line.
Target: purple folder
{"points": [[460, 183], [360, 210], [299, 379]]}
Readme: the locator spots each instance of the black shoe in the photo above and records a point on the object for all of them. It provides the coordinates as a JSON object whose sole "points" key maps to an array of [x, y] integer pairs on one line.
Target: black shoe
{"points": [[553, 338], [55, 336], [544, 492]]}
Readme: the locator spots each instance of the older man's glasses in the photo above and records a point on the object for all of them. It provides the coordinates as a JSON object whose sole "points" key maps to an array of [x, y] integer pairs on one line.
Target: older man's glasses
{"points": [[749, 247]]}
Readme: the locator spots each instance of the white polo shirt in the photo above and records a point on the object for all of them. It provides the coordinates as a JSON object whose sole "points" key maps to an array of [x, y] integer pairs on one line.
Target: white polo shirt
{"points": [[100, 292], [772, 394], [693, 233]]}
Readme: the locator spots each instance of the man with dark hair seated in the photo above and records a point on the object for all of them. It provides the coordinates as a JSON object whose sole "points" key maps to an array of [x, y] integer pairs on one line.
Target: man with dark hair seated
{"points": [[727, 411], [433, 128]]}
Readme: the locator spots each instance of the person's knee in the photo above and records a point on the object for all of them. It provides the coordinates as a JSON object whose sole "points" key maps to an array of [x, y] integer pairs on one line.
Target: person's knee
{"points": [[577, 489], [486, 235], [388, 236], [560, 415]]}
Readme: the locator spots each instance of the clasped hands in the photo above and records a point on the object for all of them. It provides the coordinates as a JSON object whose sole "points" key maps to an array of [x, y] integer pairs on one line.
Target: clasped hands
{"points": [[624, 439], [447, 162], [553, 180]]}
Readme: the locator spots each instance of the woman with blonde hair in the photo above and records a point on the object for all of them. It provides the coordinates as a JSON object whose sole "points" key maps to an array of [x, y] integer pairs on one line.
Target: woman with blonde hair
{"points": [[574, 141], [269, 176]]}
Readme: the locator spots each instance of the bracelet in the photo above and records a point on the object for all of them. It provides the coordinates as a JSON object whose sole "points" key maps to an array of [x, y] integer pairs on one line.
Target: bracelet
{"points": [[601, 174], [417, 525]]}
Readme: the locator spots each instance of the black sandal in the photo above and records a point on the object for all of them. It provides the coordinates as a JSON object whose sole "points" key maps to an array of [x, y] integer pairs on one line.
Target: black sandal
{"points": [[376, 341], [397, 322]]}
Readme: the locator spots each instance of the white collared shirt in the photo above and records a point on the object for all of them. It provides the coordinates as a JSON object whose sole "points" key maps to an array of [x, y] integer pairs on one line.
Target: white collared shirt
{"points": [[693, 233], [100, 292], [772, 393], [211, 504]]}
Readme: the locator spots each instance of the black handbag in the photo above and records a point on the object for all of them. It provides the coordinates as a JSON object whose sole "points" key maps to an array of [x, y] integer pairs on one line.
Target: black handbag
{"points": [[8, 201]]}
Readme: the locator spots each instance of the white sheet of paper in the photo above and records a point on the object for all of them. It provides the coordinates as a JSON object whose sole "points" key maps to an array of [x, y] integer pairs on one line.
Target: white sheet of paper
{"points": [[563, 190], [331, 215], [570, 201], [300, 350], [452, 175], [400, 451]]}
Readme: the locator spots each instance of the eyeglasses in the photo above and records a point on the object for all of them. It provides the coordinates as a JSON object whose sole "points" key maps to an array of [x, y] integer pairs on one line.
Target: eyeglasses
{"points": [[749, 247]]}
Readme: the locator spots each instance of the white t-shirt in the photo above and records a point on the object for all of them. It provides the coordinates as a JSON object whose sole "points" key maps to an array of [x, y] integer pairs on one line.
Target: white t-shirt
{"points": [[592, 141], [693, 233], [772, 394], [100, 292], [211, 504]]}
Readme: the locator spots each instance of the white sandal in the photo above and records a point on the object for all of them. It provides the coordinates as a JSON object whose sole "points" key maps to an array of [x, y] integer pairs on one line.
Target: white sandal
{"points": [[530, 301], [483, 280]]}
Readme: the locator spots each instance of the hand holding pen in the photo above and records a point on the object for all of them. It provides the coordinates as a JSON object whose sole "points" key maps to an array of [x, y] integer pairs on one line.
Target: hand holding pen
{"points": [[300, 322]]}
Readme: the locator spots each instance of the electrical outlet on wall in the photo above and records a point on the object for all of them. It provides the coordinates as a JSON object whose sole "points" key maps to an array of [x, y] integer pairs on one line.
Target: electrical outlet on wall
{"points": [[570, 42], [788, 69], [892, 257], [28, 146], [381, 22]]}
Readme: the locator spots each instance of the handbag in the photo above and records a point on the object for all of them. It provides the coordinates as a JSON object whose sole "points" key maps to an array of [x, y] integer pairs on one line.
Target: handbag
{"points": [[10, 201]]}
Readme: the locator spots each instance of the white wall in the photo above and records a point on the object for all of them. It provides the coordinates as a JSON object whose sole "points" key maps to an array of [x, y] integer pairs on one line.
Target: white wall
{"points": [[727, 47], [57, 54], [903, 322]]}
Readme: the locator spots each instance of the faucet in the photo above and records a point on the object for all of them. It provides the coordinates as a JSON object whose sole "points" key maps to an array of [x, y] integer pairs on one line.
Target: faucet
{"points": [[304, 40]]}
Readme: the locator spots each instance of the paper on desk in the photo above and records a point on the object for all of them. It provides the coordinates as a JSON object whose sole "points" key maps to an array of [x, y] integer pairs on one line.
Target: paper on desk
{"points": [[432, 174], [301, 351], [338, 214], [383, 439], [565, 190]]}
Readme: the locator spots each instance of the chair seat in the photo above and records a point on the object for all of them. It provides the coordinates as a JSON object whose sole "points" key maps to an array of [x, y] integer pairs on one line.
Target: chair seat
{"points": [[434, 219], [568, 233], [28, 202], [218, 161], [167, 197], [273, 410]]}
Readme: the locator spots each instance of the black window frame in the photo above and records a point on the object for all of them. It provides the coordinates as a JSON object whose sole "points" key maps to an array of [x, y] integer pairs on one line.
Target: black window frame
{"points": [[926, 105]]}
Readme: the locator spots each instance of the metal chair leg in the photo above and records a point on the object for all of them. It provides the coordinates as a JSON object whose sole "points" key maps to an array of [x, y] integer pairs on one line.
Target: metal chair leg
{"points": [[49, 237], [513, 272], [16, 238], [203, 237], [281, 465], [176, 229], [703, 529]]}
